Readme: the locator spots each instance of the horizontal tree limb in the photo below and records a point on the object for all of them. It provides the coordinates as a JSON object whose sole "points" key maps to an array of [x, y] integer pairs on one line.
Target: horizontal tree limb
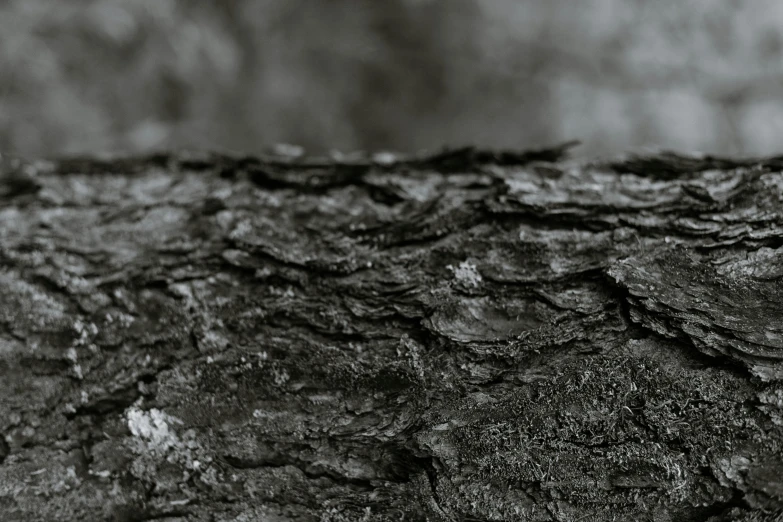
{"points": [[468, 335]]}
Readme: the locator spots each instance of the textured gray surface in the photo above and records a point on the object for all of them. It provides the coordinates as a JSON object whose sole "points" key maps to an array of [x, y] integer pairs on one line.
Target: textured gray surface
{"points": [[466, 336]]}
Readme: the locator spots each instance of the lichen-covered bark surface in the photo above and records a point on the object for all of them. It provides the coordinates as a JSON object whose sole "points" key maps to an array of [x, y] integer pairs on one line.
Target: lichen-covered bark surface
{"points": [[466, 336]]}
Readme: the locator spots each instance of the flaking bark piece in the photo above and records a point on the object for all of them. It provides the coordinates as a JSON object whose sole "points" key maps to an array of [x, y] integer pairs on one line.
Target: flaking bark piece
{"points": [[732, 314]]}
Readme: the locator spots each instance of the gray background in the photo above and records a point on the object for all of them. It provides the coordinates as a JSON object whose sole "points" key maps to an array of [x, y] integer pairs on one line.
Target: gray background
{"points": [[135, 75]]}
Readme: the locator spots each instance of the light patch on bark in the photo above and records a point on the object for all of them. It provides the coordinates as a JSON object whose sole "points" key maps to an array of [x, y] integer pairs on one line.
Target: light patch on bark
{"points": [[466, 273], [153, 427]]}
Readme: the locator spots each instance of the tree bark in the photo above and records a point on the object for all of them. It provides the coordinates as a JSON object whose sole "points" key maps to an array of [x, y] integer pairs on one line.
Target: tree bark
{"points": [[471, 335]]}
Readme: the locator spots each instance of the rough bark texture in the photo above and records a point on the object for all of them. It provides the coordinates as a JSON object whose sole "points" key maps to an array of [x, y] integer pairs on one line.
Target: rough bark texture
{"points": [[465, 336]]}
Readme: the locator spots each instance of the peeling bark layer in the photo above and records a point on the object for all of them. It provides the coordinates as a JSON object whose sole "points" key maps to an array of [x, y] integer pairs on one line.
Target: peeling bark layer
{"points": [[466, 336]]}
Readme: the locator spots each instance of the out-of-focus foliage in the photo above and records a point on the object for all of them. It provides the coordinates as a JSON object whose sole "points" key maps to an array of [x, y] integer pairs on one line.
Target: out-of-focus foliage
{"points": [[132, 75]]}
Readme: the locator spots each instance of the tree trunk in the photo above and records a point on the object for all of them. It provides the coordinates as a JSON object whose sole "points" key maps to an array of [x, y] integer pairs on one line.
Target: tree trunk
{"points": [[465, 336]]}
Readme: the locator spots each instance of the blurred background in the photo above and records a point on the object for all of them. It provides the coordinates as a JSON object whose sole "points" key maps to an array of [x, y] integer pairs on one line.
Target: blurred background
{"points": [[400, 75]]}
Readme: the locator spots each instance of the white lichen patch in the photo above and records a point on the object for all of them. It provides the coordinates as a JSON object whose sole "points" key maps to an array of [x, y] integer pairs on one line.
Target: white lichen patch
{"points": [[466, 273], [85, 331], [155, 441], [153, 427]]}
